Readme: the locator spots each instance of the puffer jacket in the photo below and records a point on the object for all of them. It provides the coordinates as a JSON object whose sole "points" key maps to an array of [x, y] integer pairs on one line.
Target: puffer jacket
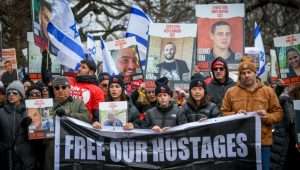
{"points": [[205, 111], [15, 148], [262, 98], [165, 117]]}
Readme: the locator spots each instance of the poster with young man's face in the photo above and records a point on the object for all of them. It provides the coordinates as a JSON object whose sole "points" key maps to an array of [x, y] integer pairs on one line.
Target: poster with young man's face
{"points": [[171, 51], [220, 34], [41, 15], [8, 66], [288, 57]]}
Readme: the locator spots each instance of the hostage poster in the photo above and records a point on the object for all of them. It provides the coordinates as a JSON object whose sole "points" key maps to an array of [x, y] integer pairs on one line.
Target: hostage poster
{"points": [[220, 34], [231, 142], [171, 51], [288, 57]]}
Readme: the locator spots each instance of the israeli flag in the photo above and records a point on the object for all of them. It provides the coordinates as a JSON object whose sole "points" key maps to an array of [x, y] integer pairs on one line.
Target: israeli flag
{"points": [[91, 46], [138, 27], [64, 35], [258, 43], [109, 65]]}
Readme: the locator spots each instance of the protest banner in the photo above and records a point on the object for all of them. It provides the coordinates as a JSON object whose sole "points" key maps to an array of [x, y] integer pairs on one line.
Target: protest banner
{"points": [[171, 51], [42, 125], [288, 57], [230, 142], [220, 34]]}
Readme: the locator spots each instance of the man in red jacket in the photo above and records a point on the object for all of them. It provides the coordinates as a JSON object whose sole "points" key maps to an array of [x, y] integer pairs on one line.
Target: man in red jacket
{"points": [[84, 87]]}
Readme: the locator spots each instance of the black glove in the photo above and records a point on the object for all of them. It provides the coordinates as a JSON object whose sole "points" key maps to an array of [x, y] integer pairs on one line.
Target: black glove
{"points": [[26, 122], [60, 112]]}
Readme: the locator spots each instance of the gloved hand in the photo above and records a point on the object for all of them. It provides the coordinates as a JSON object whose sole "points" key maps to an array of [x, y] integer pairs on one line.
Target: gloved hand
{"points": [[60, 112], [26, 122]]}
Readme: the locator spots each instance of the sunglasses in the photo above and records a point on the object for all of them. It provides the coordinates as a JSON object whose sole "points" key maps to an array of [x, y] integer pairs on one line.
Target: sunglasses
{"points": [[219, 69], [15, 93], [35, 93], [60, 87]]}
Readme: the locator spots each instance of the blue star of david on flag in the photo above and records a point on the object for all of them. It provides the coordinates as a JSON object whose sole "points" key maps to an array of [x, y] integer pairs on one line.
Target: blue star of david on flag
{"points": [[73, 28]]}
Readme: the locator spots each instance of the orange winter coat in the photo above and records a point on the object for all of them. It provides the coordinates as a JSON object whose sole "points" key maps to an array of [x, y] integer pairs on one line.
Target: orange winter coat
{"points": [[262, 98]]}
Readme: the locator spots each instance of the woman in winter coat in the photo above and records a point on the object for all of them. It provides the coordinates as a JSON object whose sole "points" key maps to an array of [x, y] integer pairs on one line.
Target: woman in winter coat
{"points": [[16, 152], [198, 106], [116, 92]]}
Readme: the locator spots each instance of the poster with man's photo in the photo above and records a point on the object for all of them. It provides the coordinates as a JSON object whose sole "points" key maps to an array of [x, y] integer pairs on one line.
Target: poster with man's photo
{"points": [[42, 125], [113, 113], [171, 51], [288, 57], [220, 34], [41, 14], [8, 66], [127, 60]]}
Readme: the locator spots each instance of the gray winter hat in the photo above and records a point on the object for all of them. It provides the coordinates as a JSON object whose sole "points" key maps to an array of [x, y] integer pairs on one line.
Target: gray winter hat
{"points": [[60, 80], [16, 85]]}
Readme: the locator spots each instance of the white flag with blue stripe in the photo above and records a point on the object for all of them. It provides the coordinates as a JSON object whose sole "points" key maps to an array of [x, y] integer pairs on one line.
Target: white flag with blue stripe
{"points": [[138, 27], [109, 65], [258, 43], [91, 46], [64, 35]]}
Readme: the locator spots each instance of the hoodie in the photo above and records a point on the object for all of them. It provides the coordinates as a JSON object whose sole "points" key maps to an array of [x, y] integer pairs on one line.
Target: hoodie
{"points": [[216, 89]]}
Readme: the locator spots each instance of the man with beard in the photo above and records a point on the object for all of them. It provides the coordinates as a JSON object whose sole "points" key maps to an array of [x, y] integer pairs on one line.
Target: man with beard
{"points": [[85, 87], [220, 82], [171, 68], [250, 95]]}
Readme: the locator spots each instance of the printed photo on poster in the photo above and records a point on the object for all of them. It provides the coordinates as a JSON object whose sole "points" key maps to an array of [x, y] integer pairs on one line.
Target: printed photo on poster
{"points": [[253, 52], [113, 113], [171, 51], [8, 66], [288, 57], [41, 14], [42, 125], [220, 34]]}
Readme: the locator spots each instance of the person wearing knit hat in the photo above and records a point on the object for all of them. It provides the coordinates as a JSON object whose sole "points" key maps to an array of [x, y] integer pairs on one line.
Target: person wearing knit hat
{"points": [[14, 127], [18, 86], [250, 95], [116, 89], [221, 81], [198, 106], [165, 114]]}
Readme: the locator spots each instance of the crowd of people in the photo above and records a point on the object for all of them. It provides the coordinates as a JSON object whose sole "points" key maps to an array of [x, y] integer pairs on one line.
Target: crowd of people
{"points": [[154, 105]]}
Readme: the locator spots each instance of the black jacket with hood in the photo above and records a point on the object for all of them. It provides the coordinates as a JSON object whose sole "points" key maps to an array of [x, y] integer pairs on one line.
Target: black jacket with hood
{"points": [[215, 89], [15, 148]]}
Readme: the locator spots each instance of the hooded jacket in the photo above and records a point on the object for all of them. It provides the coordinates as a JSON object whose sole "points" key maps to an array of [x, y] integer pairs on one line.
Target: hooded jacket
{"points": [[85, 88], [14, 143], [216, 89]]}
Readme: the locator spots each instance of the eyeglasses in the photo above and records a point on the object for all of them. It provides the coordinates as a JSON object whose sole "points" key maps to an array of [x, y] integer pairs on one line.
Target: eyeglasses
{"points": [[15, 93], [35, 94], [218, 69], [60, 87]]}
